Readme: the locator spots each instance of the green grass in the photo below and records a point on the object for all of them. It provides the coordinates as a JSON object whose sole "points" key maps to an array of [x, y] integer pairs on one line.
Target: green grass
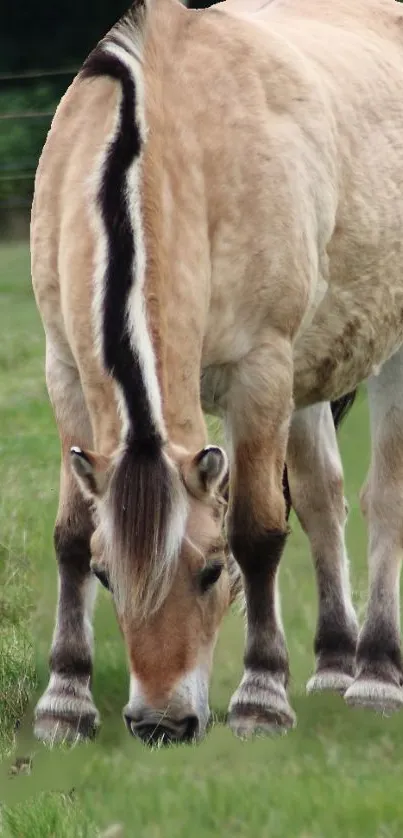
{"points": [[337, 774]]}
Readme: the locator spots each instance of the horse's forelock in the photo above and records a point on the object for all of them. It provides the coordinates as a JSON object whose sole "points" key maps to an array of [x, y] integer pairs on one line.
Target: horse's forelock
{"points": [[148, 510]]}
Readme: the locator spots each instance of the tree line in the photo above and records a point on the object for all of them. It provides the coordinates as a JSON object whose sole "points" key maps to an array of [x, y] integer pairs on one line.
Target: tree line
{"points": [[48, 34]]}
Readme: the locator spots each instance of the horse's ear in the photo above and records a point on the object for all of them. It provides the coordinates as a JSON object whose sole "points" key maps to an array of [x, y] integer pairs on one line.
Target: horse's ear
{"points": [[91, 471], [207, 472]]}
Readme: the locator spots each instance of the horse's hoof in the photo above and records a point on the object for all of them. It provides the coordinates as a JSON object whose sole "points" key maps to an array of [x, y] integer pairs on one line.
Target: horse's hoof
{"points": [[53, 730], [373, 694], [329, 680], [66, 712], [260, 707]]}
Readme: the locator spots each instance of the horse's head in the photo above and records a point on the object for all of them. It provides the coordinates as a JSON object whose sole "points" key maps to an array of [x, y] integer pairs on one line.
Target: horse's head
{"points": [[159, 546]]}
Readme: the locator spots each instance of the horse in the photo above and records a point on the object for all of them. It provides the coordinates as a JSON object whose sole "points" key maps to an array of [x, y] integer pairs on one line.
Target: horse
{"points": [[216, 228]]}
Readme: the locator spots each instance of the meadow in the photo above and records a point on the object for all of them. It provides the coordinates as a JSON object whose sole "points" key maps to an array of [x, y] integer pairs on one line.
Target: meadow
{"points": [[338, 774]]}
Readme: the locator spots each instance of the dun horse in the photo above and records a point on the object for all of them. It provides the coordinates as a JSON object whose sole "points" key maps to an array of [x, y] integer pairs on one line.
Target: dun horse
{"points": [[217, 225]]}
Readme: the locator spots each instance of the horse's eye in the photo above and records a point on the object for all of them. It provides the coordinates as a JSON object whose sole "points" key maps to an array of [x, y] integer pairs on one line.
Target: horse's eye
{"points": [[210, 574], [102, 577]]}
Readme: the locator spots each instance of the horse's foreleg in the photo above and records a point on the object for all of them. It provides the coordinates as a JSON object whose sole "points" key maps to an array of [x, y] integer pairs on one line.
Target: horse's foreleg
{"points": [[66, 710], [260, 406]]}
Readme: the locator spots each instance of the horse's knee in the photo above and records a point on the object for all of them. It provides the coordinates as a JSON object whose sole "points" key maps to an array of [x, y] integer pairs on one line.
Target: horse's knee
{"points": [[72, 548], [257, 552], [74, 522]]}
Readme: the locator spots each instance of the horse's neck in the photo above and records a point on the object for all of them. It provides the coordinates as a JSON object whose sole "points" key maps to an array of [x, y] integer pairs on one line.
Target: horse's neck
{"points": [[177, 272]]}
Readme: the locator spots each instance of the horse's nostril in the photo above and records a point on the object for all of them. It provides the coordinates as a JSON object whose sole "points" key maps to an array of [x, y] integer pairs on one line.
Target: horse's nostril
{"points": [[129, 722], [191, 727], [153, 734], [163, 731]]}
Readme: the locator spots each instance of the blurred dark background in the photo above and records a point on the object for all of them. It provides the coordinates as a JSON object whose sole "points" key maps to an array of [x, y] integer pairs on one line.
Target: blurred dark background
{"points": [[41, 48]]}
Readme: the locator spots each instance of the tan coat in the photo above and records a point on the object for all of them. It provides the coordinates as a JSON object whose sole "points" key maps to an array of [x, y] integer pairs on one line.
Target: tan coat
{"points": [[266, 215]]}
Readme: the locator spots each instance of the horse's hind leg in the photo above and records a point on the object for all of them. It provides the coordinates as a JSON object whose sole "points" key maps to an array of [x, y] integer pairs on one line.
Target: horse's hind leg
{"points": [[379, 680], [66, 710], [316, 485]]}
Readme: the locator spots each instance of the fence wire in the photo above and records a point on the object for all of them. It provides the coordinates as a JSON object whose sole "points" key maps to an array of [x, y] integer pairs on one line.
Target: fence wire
{"points": [[23, 169]]}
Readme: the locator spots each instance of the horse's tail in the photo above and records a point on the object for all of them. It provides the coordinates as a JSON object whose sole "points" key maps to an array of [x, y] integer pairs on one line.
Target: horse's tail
{"points": [[341, 407]]}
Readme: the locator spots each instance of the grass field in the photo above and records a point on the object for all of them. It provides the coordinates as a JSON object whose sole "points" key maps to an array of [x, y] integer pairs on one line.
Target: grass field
{"points": [[338, 774]]}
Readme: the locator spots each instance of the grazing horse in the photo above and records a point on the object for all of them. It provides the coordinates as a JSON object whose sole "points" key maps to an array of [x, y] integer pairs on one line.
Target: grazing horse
{"points": [[217, 225]]}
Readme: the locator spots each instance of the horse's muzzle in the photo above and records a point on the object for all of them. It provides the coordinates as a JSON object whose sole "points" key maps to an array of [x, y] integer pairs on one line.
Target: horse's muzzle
{"points": [[161, 730]]}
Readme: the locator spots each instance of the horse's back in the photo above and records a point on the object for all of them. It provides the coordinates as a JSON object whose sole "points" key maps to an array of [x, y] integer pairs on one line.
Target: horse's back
{"points": [[344, 111], [323, 32], [380, 15]]}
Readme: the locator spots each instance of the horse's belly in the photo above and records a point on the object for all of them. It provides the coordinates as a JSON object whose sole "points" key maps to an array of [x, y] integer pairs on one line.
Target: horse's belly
{"points": [[356, 328]]}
